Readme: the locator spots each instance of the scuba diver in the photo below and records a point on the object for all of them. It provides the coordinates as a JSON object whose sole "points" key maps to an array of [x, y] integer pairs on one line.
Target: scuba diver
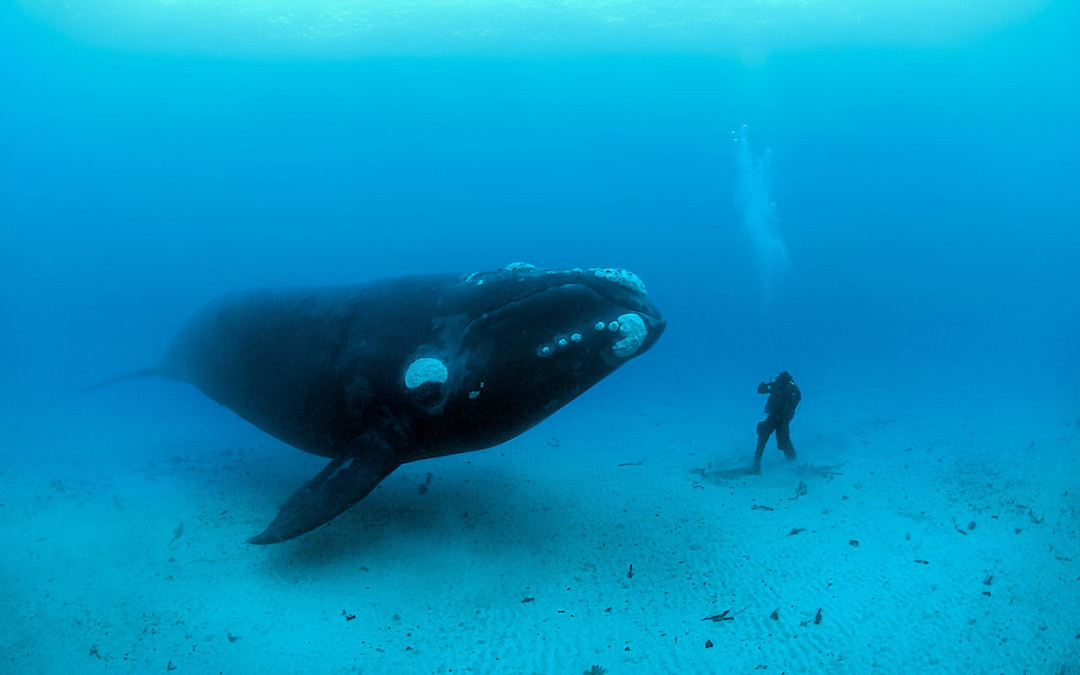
{"points": [[784, 397]]}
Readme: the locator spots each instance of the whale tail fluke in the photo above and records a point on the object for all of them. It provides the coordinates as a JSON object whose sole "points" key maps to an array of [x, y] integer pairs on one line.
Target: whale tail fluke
{"points": [[145, 372]]}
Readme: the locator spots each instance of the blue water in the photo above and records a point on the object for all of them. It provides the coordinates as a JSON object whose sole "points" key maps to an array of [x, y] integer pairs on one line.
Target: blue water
{"points": [[893, 221], [899, 211]]}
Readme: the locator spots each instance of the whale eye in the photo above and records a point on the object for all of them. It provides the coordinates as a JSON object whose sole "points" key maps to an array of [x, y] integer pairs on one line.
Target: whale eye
{"points": [[425, 371]]}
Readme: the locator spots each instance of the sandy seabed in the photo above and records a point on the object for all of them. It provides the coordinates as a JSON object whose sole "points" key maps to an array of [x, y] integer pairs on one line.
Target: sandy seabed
{"points": [[601, 541]]}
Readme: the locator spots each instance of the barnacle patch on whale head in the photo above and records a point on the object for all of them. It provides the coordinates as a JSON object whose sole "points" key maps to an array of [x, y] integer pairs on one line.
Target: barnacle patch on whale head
{"points": [[519, 266], [622, 277], [425, 370]]}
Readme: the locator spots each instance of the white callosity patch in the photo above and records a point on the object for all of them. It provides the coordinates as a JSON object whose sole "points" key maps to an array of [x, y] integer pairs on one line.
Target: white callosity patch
{"points": [[621, 277], [632, 333], [425, 370], [476, 277], [514, 267], [559, 343]]}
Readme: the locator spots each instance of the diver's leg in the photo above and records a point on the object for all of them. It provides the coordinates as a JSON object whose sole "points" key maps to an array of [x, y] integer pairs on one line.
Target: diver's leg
{"points": [[783, 440], [764, 430]]}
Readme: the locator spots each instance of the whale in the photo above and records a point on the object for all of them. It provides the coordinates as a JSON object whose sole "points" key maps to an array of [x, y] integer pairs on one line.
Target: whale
{"points": [[379, 374]]}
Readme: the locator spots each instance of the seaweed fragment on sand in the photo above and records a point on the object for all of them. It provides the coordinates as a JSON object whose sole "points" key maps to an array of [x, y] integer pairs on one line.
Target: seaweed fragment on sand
{"points": [[800, 490], [722, 616], [177, 533], [827, 471]]}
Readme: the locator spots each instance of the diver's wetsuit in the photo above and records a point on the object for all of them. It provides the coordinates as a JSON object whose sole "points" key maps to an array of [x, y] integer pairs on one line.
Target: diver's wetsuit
{"points": [[784, 397]]}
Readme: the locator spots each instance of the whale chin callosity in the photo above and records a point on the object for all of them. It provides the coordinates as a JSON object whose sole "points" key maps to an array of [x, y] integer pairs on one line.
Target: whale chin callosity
{"points": [[383, 373]]}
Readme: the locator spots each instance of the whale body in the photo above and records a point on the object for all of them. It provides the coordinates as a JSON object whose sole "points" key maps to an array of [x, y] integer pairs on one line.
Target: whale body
{"points": [[379, 374]]}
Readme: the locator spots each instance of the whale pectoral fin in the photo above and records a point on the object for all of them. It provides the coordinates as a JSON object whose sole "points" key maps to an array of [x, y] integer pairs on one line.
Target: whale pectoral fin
{"points": [[345, 480]]}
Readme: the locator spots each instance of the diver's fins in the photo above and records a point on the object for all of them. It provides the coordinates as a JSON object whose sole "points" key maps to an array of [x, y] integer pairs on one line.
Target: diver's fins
{"points": [[345, 480]]}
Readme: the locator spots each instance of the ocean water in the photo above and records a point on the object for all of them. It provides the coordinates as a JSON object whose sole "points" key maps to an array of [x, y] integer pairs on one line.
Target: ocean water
{"points": [[880, 198]]}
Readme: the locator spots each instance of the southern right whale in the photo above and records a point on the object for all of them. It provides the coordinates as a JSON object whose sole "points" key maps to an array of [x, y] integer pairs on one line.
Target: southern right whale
{"points": [[393, 371]]}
